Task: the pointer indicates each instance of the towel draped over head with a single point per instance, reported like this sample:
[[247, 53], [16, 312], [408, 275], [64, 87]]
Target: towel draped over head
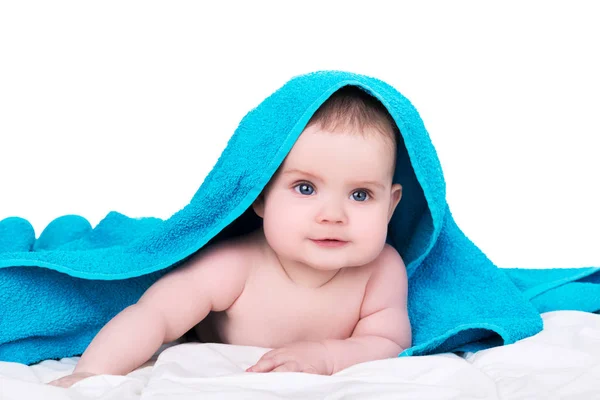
[[58, 290]]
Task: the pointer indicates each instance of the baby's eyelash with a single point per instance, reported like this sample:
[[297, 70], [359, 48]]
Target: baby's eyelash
[[303, 183], [367, 191], [298, 184]]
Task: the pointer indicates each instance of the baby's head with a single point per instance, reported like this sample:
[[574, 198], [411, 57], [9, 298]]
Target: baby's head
[[335, 183]]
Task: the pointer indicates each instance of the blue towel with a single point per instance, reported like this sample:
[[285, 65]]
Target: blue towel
[[58, 290]]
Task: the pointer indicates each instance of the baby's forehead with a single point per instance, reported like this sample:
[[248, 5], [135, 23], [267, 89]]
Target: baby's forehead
[[364, 146], [323, 169]]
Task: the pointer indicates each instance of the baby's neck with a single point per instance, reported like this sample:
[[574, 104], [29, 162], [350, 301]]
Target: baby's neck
[[306, 276], [297, 272]]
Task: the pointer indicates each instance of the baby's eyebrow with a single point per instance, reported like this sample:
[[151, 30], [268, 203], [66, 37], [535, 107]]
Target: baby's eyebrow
[[357, 183], [297, 171]]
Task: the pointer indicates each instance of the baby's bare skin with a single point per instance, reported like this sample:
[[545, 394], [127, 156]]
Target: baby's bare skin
[[321, 308], [273, 311], [310, 328], [303, 323]]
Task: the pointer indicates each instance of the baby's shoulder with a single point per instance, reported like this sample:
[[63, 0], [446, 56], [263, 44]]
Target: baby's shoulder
[[390, 254], [386, 267], [389, 263], [232, 254]]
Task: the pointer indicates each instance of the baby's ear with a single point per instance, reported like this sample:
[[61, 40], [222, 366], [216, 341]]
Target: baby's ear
[[395, 199], [259, 205]]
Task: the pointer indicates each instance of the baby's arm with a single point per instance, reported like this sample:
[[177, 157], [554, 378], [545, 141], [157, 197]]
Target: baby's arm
[[383, 330], [211, 280]]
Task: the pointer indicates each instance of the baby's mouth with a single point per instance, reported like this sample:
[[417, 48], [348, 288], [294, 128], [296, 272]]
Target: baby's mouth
[[329, 242]]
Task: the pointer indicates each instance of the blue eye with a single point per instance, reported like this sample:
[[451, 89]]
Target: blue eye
[[360, 195], [304, 188]]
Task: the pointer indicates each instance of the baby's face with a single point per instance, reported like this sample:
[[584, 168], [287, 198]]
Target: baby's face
[[331, 186]]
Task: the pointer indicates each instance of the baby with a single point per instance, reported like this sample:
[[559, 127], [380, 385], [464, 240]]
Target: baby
[[317, 282]]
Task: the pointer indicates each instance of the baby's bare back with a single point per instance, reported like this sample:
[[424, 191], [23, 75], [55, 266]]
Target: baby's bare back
[[272, 311]]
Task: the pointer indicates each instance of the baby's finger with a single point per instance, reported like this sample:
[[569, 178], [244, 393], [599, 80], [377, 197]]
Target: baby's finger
[[58, 383], [263, 366], [64, 382], [270, 354], [287, 367], [70, 380]]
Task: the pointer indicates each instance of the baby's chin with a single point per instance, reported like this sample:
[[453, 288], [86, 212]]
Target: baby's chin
[[324, 265], [336, 267]]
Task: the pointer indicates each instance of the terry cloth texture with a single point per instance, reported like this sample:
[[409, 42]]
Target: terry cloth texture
[[56, 292]]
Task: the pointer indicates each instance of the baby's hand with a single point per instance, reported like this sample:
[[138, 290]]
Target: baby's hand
[[310, 357], [69, 380]]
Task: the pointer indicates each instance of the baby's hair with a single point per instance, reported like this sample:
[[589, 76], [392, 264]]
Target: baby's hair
[[351, 108]]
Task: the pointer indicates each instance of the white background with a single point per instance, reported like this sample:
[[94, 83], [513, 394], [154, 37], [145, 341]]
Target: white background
[[126, 106]]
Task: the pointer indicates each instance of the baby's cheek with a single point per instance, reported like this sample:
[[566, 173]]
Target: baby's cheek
[[282, 230], [372, 236]]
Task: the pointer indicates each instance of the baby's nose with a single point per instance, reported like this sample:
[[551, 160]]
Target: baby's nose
[[332, 212]]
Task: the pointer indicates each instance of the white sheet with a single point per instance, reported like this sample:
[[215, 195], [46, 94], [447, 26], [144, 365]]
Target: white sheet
[[561, 362]]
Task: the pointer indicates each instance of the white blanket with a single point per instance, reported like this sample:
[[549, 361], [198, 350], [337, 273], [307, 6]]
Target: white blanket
[[563, 361]]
